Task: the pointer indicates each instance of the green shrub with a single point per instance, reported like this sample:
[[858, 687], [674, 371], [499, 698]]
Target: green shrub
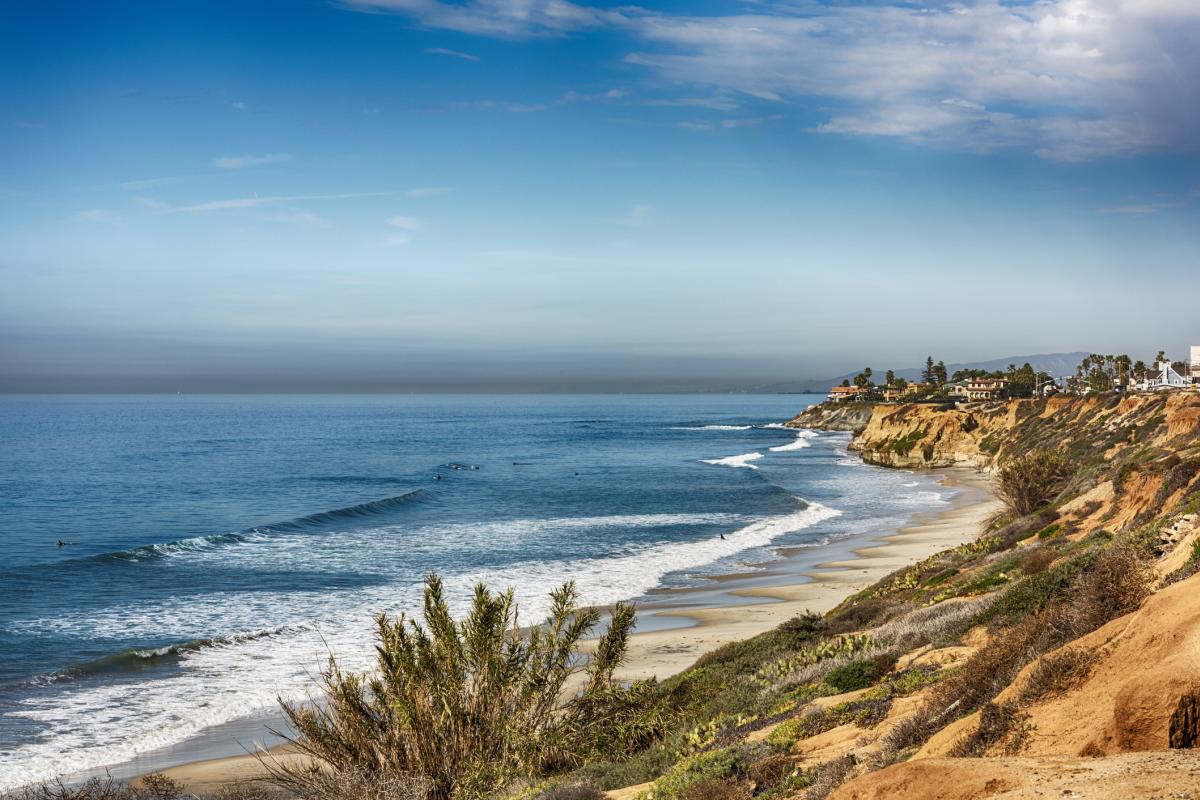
[[471, 706], [859, 674], [1031, 481], [711, 766], [1049, 530]]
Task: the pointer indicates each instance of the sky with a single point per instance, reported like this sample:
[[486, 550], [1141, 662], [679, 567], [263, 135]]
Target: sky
[[542, 195]]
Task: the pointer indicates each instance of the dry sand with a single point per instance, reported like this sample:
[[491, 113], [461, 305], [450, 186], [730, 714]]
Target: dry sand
[[665, 652]]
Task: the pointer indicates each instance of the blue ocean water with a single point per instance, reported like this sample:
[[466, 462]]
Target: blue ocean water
[[216, 549]]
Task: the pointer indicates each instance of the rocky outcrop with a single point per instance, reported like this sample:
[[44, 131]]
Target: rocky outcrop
[[916, 436], [923, 436], [849, 417]]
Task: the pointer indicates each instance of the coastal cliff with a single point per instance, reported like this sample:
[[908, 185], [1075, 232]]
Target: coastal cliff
[[848, 417], [1055, 655]]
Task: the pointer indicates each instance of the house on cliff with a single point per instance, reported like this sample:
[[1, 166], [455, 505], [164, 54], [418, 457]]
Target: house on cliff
[[977, 389], [844, 394], [893, 393], [1165, 378]]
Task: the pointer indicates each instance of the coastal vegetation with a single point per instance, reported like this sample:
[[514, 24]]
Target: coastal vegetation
[[1022, 643], [468, 707]]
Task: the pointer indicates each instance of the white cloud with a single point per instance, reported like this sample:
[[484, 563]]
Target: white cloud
[[405, 223], [238, 104], [257, 201], [442, 51], [427, 191], [244, 162], [501, 18], [1065, 79]]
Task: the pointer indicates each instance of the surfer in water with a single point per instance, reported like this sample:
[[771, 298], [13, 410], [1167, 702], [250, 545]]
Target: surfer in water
[[61, 543], [722, 537]]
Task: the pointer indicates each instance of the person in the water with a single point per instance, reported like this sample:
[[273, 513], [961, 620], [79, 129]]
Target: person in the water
[[61, 543]]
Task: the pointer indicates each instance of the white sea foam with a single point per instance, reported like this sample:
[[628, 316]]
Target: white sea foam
[[735, 461], [923, 499], [802, 440], [712, 427], [88, 726]]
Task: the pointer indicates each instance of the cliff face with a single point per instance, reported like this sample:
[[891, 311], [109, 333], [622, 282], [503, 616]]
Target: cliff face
[[850, 417], [923, 436]]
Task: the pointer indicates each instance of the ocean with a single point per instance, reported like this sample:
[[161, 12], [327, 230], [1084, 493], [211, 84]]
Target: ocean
[[217, 549]]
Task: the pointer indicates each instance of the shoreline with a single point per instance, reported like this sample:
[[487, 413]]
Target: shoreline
[[689, 622]]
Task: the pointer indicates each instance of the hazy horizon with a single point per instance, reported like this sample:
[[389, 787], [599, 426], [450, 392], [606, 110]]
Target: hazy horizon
[[404, 195]]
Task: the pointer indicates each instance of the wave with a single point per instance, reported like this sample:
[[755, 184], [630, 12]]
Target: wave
[[141, 658], [735, 461], [799, 443], [300, 524], [91, 724], [923, 499], [712, 427]]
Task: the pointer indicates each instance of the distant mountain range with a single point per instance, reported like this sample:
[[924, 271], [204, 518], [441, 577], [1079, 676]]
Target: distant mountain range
[[1056, 364]]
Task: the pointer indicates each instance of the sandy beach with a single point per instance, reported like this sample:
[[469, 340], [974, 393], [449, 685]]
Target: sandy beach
[[684, 624]]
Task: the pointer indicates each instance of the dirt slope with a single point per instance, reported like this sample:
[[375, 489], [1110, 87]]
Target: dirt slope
[[1170, 775]]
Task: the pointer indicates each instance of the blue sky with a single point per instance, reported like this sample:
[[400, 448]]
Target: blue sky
[[521, 194]]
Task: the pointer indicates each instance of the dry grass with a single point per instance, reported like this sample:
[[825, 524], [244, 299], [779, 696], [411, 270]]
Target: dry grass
[[830, 776], [577, 791], [152, 787], [1114, 585], [720, 789], [937, 623], [1055, 673], [999, 724]]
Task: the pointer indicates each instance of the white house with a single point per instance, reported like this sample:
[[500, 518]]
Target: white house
[[1166, 378], [1195, 376]]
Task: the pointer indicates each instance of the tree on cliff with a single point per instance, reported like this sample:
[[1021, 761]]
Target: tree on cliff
[[889, 378], [939, 373], [927, 373], [863, 379]]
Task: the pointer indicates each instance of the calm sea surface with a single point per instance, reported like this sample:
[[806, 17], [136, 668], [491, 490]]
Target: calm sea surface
[[217, 548]]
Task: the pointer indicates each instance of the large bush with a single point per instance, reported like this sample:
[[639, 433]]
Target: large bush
[[471, 706], [1033, 480]]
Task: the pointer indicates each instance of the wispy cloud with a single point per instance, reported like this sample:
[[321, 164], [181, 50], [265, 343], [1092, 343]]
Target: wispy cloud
[[442, 51], [1067, 80], [513, 19], [405, 223], [245, 162], [257, 201], [428, 191], [146, 183], [238, 105]]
